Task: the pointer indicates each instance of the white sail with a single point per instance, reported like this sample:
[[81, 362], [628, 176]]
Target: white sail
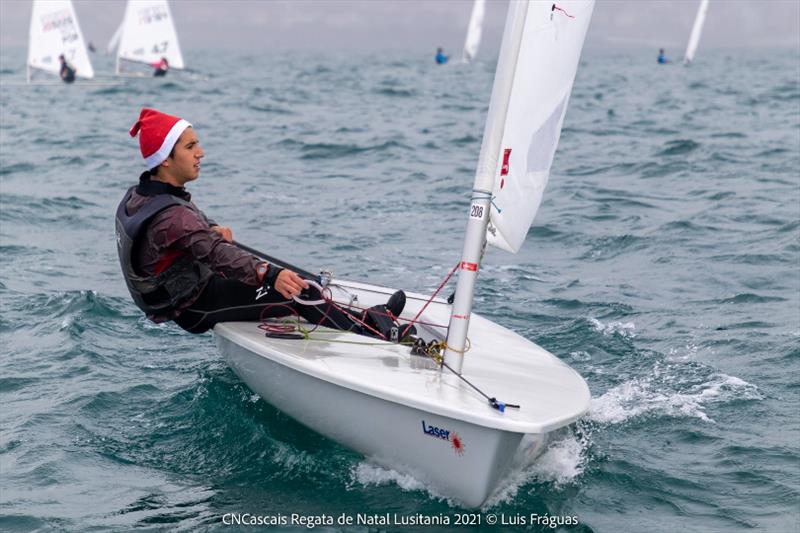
[[474, 31], [55, 31], [548, 59], [697, 29], [535, 70], [148, 34]]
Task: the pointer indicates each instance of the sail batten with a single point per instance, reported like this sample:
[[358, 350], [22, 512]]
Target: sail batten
[[148, 34], [54, 31]]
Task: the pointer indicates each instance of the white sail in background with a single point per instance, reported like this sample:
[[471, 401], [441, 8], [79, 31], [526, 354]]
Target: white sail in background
[[112, 44], [548, 59], [697, 29], [474, 31], [55, 31], [148, 34]]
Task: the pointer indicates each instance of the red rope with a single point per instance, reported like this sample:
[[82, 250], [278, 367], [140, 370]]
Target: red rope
[[436, 292], [286, 328], [556, 8]]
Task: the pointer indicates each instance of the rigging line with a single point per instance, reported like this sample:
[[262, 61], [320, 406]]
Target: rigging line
[[441, 286], [500, 406]]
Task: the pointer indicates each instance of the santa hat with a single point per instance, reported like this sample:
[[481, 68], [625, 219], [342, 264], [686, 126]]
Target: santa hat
[[158, 133]]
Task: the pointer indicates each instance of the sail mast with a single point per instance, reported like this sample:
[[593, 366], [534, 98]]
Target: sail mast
[[484, 180], [535, 73]]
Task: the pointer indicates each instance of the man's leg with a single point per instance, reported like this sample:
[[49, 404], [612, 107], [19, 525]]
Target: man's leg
[[227, 300]]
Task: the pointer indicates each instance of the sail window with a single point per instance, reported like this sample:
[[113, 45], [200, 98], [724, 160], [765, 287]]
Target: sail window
[[545, 139]]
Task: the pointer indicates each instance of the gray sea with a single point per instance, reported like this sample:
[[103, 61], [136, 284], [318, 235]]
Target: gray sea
[[664, 266]]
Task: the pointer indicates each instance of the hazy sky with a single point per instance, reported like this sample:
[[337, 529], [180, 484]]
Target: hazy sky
[[265, 25]]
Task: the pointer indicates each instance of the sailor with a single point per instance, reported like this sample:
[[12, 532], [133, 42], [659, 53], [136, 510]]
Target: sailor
[[662, 59], [67, 71], [161, 67], [179, 265], [441, 59]]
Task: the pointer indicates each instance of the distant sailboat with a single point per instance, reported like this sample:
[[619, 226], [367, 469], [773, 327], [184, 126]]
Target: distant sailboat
[[697, 29], [474, 30], [148, 34], [54, 31]]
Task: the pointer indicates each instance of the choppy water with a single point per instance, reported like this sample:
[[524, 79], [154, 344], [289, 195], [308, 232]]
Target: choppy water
[[664, 266]]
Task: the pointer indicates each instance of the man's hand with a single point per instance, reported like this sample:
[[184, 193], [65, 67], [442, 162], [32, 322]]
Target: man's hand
[[289, 284], [225, 231]]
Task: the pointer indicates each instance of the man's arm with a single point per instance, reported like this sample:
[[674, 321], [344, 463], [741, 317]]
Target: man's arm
[[184, 229]]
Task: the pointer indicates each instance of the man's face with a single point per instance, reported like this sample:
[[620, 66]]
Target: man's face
[[184, 165]]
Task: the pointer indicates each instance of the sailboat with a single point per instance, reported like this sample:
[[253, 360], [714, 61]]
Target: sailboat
[[147, 34], [456, 422], [474, 30], [697, 29], [55, 31]]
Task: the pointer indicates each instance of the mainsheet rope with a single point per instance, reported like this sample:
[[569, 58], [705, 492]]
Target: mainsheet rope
[[433, 350]]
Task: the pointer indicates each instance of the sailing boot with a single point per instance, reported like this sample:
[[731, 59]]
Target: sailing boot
[[396, 304], [381, 318]]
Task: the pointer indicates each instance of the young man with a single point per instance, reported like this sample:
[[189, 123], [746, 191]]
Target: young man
[[179, 265]]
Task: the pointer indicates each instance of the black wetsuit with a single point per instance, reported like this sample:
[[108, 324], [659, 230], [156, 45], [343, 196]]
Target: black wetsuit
[[231, 293], [67, 73]]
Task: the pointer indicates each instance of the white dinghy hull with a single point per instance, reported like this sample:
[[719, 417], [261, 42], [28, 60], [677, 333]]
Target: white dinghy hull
[[400, 410], [389, 434]]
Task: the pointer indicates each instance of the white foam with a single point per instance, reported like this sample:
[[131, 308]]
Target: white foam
[[580, 355], [623, 329], [560, 464], [686, 353], [366, 474], [645, 396]]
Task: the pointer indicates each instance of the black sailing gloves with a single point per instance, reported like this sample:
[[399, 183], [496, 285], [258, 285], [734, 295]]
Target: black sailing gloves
[[270, 277]]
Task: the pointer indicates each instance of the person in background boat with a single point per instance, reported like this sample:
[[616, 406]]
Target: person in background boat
[[91, 47], [180, 265], [67, 71], [161, 66], [662, 59], [441, 59]]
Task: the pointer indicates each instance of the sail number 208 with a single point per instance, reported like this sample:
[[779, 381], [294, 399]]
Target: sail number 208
[[476, 211]]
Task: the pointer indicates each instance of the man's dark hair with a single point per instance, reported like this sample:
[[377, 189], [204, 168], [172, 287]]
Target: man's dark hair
[[154, 170]]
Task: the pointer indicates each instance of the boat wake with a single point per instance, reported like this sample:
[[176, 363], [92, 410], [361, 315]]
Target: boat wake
[[559, 465], [623, 329], [368, 474], [669, 391]]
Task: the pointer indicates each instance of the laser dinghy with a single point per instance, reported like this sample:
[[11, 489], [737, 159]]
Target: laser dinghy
[[457, 412]]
